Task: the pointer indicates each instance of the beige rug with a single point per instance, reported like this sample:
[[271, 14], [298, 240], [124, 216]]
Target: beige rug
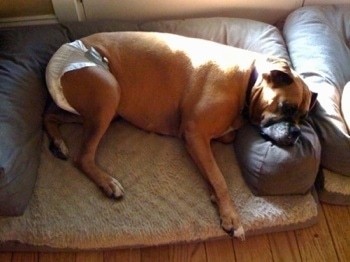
[[336, 189], [166, 198]]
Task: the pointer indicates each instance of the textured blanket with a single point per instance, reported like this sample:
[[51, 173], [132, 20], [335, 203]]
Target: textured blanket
[[166, 198]]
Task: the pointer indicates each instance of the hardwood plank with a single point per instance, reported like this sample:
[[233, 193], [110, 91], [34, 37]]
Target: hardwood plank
[[220, 250], [89, 257], [56, 257], [338, 220], [284, 247], [193, 252], [5, 257], [25, 257], [123, 255], [155, 254], [315, 243], [254, 248]]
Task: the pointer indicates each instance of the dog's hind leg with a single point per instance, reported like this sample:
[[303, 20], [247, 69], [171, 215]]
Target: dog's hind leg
[[53, 118], [94, 93]]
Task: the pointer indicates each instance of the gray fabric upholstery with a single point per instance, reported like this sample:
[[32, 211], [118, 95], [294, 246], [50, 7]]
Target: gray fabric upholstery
[[318, 42], [272, 170], [24, 53], [318, 39]]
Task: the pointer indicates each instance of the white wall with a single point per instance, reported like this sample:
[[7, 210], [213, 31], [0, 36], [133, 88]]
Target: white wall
[[143, 10], [325, 2], [269, 11]]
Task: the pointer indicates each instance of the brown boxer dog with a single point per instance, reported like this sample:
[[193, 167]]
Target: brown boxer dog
[[172, 85]]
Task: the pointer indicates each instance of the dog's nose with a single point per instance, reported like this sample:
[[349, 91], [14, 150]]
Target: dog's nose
[[282, 133], [294, 132]]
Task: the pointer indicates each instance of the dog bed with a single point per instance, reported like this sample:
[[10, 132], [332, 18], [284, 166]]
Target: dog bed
[[167, 198], [318, 39]]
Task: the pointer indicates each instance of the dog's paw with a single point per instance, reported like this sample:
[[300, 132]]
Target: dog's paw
[[232, 226], [239, 233], [113, 189], [59, 149]]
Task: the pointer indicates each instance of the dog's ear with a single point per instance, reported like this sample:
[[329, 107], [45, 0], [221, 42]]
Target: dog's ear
[[280, 78], [279, 72], [313, 100]]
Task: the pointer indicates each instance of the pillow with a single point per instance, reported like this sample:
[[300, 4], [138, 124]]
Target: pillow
[[318, 39], [275, 170]]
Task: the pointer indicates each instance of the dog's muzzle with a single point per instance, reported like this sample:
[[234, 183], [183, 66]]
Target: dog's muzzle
[[282, 133]]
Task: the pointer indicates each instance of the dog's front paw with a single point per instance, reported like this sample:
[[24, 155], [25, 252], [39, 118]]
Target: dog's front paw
[[232, 226], [112, 188], [59, 149]]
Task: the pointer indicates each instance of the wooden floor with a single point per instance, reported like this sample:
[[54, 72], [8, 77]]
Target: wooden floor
[[328, 240]]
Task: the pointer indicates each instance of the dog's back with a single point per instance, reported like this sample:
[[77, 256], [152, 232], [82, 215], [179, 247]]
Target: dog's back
[[156, 70]]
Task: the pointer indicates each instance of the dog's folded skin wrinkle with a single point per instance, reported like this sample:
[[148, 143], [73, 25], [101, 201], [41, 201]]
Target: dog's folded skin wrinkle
[[251, 83], [200, 96]]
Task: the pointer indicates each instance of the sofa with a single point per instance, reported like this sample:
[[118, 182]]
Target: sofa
[[268, 170]]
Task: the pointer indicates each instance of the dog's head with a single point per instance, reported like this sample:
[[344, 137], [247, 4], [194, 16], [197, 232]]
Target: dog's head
[[279, 101]]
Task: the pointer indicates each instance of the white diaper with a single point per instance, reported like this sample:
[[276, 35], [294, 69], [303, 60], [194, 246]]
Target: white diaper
[[70, 56]]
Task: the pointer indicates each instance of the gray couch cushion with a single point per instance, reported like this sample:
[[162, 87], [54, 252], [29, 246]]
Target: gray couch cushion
[[24, 53], [318, 39]]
